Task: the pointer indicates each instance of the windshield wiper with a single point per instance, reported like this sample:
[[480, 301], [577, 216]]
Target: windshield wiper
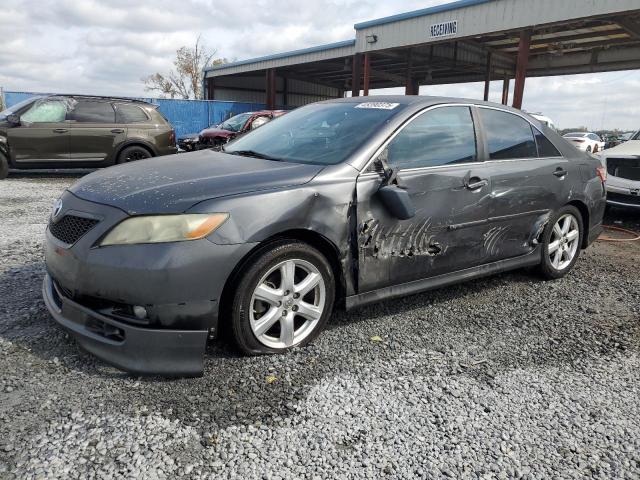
[[254, 154]]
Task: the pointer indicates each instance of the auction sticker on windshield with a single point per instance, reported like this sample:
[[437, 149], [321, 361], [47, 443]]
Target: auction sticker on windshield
[[378, 105]]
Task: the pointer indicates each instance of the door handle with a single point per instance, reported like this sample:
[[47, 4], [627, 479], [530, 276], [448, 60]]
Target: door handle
[[560, 172], [117, 130], [474, 183], [60, 130]]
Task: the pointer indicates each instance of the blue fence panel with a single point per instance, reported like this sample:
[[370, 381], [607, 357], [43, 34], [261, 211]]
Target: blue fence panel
[[186, 116]]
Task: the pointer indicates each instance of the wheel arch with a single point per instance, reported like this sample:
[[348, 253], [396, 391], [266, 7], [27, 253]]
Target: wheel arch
[[134, 143], [584, 213], [310, 237]]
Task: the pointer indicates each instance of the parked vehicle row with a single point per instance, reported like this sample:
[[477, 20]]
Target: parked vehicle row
[[81, 131], [218, 135], [344, 202]]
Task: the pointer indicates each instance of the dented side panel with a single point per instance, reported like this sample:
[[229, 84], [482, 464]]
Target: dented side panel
[[447, 233]]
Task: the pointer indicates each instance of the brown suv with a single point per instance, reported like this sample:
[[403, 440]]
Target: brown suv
[[62, 131]]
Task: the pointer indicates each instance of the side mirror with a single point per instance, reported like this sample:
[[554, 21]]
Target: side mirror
[[13, 119], [397, 201]]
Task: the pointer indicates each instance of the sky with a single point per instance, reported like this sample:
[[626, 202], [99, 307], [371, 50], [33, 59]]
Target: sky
[[106, 47]]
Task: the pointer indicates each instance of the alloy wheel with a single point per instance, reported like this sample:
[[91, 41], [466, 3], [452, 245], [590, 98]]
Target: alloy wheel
[[564, 240], [287, 303]]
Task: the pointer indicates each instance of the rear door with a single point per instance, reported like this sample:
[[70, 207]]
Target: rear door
[[94, 133], [437, 157], [530, 180], [43, 133]]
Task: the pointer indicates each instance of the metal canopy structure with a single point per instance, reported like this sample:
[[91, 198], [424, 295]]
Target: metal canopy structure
[[460, 42]]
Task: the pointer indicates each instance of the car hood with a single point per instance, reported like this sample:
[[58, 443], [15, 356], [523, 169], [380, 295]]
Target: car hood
[[174, 183], [631, 147], [216, 132]]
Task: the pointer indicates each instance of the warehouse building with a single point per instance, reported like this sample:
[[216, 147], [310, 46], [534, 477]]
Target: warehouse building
[[460, 42]]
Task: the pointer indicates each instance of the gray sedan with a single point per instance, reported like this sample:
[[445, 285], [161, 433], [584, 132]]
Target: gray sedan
[[337, 204]]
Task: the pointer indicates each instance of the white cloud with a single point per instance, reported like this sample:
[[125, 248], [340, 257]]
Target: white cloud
[[100, 47]]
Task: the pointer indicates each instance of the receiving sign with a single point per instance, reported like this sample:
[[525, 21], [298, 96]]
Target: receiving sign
[[444, 29]]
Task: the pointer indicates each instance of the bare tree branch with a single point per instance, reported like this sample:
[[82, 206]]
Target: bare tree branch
[[185, 80]]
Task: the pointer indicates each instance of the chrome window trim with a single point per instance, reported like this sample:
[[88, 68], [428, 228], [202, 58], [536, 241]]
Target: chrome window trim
[[443, 105]]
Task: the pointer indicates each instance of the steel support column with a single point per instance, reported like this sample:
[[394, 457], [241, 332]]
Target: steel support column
[[521, 67], [487, 81], [412, 86], [505, 90], [366, 74], [270, 89], [356, 74]]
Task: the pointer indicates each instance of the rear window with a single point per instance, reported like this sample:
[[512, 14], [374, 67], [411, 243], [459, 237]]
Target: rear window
[[130, 114], [545, 147], [91, 112], [508, 136]]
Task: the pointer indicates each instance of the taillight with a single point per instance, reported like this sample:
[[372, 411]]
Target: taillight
[[172, 137], [602, 173], [579, 141]]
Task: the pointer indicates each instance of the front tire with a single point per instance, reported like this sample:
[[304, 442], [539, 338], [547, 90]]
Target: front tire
[[283, 298], [561, 242], [4, 167]]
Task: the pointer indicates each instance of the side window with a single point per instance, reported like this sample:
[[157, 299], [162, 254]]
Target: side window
[[130, 114], [545, 147], [508, 135], [46, 111], [439, 137], [92, 112]]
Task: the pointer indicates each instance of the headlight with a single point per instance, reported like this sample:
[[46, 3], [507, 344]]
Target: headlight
[[164, 228]]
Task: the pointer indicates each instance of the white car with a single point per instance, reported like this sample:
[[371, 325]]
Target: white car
[[544, 119], [585, 141], [623, 173]]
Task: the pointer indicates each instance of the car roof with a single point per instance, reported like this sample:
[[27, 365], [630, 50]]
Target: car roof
[[98, 97]]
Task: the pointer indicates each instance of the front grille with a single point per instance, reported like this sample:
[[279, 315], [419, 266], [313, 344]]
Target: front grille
[[628, 199], [69, 229], [628, 168]]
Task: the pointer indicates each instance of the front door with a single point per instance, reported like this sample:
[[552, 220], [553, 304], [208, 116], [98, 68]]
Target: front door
[[94, 133], [436, 155], [43, 133]]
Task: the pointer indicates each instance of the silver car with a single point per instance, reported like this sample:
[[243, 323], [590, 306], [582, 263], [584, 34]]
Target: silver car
[[623, 173]]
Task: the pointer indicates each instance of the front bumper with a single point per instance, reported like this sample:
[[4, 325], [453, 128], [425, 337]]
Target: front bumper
[[133, 349], [623, 193]]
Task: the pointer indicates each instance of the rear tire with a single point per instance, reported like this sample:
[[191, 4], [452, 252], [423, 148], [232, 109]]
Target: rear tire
[[282, 299], [595, 149], [133, 153], [561, 243], [589, 149], [4, 167]]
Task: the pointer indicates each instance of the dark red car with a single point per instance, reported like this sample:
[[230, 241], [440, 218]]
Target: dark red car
[[236, 126]]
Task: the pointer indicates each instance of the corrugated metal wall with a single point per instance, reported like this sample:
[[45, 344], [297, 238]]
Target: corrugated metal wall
[[186, 116], [252, 89]]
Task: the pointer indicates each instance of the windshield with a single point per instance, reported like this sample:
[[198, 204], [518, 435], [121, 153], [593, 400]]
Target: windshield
[[575, 135], [235, 124], [14, 108], [321, 133], [636, 136]]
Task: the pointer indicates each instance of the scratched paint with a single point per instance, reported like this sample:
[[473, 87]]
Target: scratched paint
[[401, 240]]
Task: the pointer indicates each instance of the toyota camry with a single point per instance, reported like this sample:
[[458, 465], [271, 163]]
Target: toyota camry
[[336, 204]]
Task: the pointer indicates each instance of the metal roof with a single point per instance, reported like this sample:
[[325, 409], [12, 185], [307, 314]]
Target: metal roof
[[419, 13], [292, 53]]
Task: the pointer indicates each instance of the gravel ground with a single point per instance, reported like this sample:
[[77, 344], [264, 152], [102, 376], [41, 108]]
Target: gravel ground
[[507, 377]]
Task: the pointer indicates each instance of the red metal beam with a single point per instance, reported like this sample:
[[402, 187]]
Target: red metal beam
[[270, 90], [487, 81], [366, 75], [521, 67], [505, 90], [356, 74]]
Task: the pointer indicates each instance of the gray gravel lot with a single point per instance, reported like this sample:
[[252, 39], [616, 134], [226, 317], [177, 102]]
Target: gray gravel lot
[[507, 377]]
